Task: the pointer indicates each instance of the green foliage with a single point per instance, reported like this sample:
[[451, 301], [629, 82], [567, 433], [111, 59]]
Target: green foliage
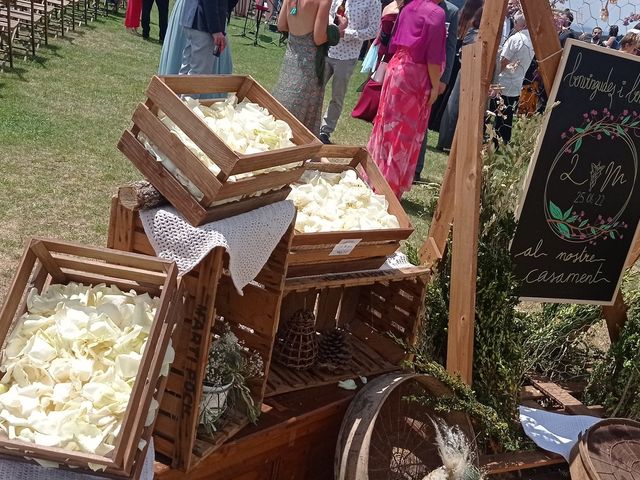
[[615, 380], [492, 429], [499, 333], [557, 343], [230, 363]]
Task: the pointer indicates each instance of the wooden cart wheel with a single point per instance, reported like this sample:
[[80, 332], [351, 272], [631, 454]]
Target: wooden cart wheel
[[386, 437]]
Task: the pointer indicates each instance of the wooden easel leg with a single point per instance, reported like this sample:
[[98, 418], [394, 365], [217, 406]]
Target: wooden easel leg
[[468, 179], [544, 37]]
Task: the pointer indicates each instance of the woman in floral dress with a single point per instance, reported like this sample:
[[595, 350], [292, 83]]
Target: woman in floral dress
[[418, 48]]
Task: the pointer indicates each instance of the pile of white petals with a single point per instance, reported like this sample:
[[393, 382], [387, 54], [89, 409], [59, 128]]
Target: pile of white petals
[[70, 363], [330, 202], [244, 127]]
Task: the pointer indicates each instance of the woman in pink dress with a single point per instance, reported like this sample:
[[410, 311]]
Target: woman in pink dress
[[132, 17], [418, 48]]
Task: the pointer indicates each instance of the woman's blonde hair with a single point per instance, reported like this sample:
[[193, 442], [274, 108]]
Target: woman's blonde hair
[[630, 39]]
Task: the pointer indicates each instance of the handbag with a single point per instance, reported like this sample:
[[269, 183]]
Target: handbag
[[367, 105], [369, 62]]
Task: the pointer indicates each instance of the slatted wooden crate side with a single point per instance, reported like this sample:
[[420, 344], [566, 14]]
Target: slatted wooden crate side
[[371, 306], [230, 162], [176, 429], [47, 261], [166, 100], [255, 315], [191, 208], [160, 177], [190, 165]]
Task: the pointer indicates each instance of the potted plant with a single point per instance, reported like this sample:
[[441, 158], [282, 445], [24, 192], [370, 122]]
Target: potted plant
[[230, 365]]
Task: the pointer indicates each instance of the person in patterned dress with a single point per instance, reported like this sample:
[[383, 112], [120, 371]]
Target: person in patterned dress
[[410, 87], [299, 88]]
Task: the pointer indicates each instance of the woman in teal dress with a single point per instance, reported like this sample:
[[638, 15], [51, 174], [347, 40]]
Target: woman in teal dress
[[174, 42]]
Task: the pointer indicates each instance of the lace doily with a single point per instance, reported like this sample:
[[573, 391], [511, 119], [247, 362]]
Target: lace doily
[[249, 238], [16, 470]]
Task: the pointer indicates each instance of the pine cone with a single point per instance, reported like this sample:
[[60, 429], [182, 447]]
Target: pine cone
[[297, 346], [335, 350]]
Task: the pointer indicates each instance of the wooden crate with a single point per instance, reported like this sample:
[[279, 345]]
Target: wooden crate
[[370, 305], [164, 94], [209, 292], [313, 253], [47, 262]]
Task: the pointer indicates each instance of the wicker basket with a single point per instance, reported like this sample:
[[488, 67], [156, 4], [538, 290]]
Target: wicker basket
[[297, 346]]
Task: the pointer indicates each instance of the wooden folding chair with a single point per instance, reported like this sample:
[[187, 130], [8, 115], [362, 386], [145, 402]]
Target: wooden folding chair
[[41, 8], [8, 31], [58, 8], [31, 20]]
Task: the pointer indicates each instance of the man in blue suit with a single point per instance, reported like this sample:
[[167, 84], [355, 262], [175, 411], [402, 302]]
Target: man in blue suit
[[204, 23]]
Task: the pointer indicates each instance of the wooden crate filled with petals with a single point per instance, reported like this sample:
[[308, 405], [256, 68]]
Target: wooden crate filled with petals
[[173, 144], [375, 232], [91, 328]]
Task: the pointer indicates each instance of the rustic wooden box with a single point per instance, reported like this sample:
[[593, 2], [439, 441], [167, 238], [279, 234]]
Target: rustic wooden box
[[311, 253], [219, 194], [371, 305], [47, 262], [209, 293]]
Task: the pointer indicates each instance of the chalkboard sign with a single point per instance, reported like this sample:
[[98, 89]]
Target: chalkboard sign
[[581, 206]]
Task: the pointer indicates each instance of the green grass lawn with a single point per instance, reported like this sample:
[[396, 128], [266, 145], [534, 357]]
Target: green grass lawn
[[61, 116]]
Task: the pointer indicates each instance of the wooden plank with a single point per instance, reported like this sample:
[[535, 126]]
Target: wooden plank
[[544, 37], [467, 213], [564, 398], [331, 238], [516, 461], [344, 266], [328, 303], [121, 227], [363, 251], [615, 316], [352, 279], [260, 182], [49, 263], [198, 84], [134, 260], [116, 271], [199, 340], [294, 156]]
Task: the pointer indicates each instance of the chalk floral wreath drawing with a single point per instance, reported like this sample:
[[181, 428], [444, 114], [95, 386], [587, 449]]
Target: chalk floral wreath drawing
[[570, 223]]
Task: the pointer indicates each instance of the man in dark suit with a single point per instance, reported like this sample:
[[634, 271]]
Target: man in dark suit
[[204, 23], [163, 17]]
